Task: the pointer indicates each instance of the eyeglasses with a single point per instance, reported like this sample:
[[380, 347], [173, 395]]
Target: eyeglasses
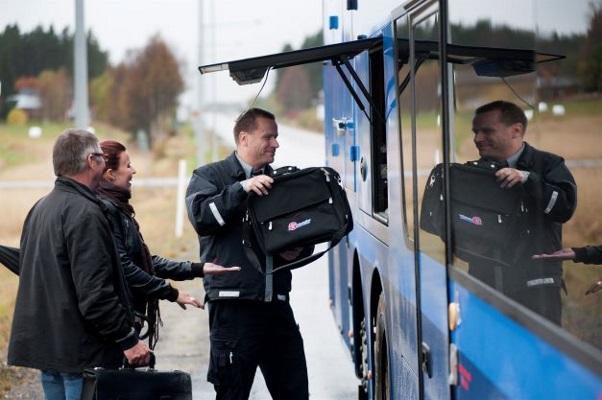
[[98, 155]]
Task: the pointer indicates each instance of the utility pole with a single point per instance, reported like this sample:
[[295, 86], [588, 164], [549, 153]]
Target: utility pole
[[199, 126], [214, 135], [82, 117]]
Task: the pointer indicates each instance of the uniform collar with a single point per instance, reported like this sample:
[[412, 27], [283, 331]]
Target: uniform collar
[[247, 168], [513, 159]]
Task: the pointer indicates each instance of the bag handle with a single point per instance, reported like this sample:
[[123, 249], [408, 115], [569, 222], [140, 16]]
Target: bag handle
[[151, 364], [308, 259], [291, 265]]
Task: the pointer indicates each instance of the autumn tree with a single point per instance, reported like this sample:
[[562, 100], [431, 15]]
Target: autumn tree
[[294, 91], [591, 67], [100, 98], [54, 89], [297, 87], [120, 114], [314, 70], [142, 92]]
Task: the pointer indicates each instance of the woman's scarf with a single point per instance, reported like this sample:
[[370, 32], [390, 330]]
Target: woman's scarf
[[121, 199]]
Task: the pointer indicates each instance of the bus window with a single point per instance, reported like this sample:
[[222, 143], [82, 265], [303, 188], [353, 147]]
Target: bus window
[[379, 136], [427, 122], [552, 86]]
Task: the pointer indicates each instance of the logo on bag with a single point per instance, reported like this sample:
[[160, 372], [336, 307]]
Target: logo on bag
[[472, 220], [293, 226]]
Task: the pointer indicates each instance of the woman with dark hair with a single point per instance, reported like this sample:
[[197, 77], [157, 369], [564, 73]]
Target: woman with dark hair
[[144, 272]]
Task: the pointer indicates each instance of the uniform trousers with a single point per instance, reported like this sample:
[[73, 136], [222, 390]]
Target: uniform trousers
[[246, 334]]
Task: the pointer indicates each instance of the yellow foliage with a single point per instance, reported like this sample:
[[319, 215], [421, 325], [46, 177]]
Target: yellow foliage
[[16, 116]]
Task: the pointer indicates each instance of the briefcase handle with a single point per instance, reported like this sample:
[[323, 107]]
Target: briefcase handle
[[151, 364]]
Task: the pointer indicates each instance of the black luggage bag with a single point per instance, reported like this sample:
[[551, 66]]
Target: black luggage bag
[[482, 213], [136, 384], [305, 207]]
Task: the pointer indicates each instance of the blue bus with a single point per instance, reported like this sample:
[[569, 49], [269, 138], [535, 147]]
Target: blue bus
[[401, 82]]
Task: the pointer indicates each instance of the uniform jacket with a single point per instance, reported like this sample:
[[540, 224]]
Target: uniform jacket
[[72, 309], [129, 243], [216, 204], [550, 196]]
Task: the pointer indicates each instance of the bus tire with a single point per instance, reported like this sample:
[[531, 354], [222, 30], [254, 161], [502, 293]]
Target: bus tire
[[382, 385]]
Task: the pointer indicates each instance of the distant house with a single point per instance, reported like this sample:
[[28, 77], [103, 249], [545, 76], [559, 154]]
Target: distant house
[[27, 100], [554, 87]]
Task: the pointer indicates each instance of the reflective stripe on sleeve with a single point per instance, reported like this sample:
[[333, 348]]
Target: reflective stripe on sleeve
[[551, 202], [216, 214]]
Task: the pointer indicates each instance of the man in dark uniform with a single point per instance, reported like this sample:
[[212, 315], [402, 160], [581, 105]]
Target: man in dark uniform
[[550, 197], [247, 329]]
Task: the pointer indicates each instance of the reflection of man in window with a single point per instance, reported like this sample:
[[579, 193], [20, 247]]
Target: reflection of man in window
[[550, 197]]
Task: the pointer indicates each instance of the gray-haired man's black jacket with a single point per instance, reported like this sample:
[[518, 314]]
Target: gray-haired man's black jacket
[[73, 308]]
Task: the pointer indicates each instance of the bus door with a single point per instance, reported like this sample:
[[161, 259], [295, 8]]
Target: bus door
[[419, 82]]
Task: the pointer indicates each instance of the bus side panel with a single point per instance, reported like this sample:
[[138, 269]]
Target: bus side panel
[[518, 365], [339, 303], [373, 258]]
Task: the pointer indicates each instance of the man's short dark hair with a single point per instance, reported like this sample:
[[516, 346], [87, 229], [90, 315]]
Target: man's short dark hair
[[510, 113], [247, 121]]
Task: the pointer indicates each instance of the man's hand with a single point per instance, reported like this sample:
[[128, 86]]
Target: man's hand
[[185, 298], [594, 286], [214, 269], [260, 184], [139, 355], [509, 177], [290, 255]]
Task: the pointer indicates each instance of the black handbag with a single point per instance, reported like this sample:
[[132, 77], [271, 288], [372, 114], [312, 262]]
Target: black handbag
[[136, 384], [305, 207]]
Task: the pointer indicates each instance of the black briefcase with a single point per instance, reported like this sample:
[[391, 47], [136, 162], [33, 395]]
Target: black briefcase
[[136, 384], [481, 211], [305, 207]]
